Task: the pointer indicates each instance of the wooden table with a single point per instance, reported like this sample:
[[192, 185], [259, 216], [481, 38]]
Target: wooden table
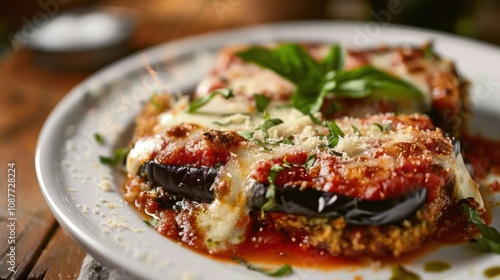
[[28, 92]]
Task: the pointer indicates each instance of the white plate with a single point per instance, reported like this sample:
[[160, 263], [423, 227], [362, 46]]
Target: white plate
[[85, 196]]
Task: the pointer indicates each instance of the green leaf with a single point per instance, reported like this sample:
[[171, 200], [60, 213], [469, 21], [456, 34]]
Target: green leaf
[[261, 102], [315, 120], [288, 141], [356, 130], [311, 158], [98, 138], [334, 61], [290, 61], [388, 126], [268, 124], [246, 134], [153, 222], [200, 102], [368, 81], [335, 133], [271, 190], [380, 127], [118, 156], [282, 271], [490, 237], [315, 81]]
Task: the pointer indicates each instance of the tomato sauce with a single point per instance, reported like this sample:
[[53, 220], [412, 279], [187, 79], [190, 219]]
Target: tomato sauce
[[483, 154]]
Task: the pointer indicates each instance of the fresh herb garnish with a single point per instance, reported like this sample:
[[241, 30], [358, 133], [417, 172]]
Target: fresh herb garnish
[[118, 156], [268, 123], [264, 127], [282, 271], [98, 138], [200, 102], [261, 102], [153, 222], [490, 237], [315, 120], [271, 190], [380, 127], [335, 133], [311, 158], [288, 141], [388, 126], [316, 81], [356, 130]]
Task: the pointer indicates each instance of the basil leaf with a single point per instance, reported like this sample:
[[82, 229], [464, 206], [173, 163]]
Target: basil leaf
[[200, 102], [311, 158], [290, 61], [380, 127], [315, 120], [356, 130], [268, 124], [335, 133], [490, 237], [282, 271], [246, 134], [368, 81], [118, 156], [315, 81], [334, 61], [288, 141], [261, 102]]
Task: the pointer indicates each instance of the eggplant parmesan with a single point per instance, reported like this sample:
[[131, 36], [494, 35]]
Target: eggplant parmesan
[[249, 162]]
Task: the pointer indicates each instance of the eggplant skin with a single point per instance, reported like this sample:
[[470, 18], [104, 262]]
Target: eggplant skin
[[195, 183], [311, 202], [190, 182]]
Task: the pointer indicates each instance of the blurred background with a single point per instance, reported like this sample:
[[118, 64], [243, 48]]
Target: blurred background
[[49, 46]]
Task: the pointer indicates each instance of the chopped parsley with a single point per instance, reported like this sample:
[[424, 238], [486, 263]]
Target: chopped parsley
[[282, 271], [200, 102], [264, 127], [271, 190]]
